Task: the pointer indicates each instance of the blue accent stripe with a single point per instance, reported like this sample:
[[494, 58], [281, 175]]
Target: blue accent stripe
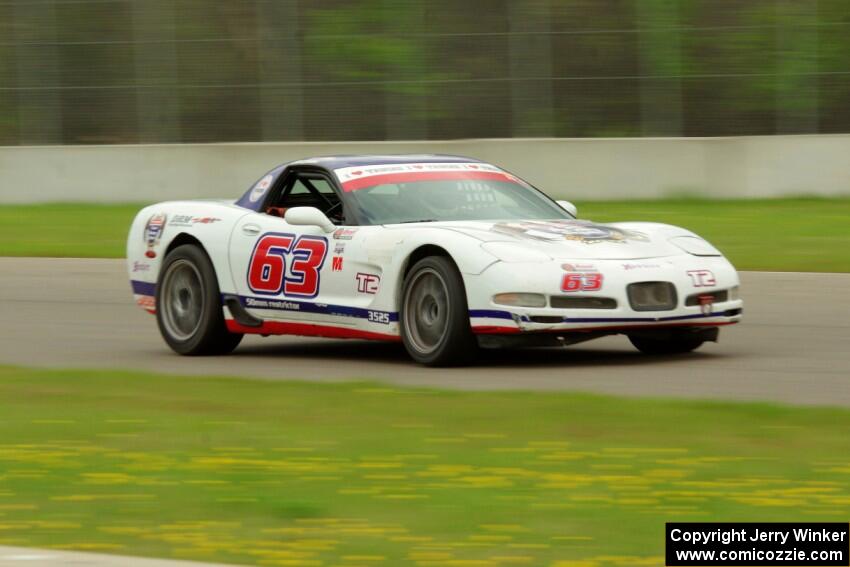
[[282, 304], [490, 314], [143, 288], [494, 314]]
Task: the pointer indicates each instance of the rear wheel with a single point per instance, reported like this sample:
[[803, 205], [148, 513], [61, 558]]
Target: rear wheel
[[188, 305], [434, 315], [673, 343]]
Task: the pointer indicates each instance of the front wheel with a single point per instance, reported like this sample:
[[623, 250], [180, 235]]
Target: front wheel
[[672, 343], [434, 316], [188, 305]]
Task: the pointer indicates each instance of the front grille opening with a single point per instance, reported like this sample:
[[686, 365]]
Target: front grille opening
[[582, 302], [717, 297], [546, 319], [652, 296]]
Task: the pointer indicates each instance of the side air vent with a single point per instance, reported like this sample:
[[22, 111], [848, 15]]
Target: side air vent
[[717, 297], [546, 319], [582, 302]]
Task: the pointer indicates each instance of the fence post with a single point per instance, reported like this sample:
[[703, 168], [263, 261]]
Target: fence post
[[38, 72], [406, 104], [530, 65], [661, 67], [156, 76], [280, 77], [796, 67]]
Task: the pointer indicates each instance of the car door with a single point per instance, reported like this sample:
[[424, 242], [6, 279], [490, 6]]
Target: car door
[[287, 272]]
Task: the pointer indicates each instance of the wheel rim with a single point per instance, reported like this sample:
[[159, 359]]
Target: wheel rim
[[183, 299], [426, 310]]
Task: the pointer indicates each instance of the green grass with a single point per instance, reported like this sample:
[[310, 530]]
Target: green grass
[[807, 235], [295, 473], [65, 230], [777, 234]]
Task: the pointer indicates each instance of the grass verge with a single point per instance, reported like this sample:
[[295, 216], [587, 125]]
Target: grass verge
[[805, 235], [289, 473], [768, 234]]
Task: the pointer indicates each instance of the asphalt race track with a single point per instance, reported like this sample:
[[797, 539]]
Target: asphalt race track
[[793, 346], [17, 556]]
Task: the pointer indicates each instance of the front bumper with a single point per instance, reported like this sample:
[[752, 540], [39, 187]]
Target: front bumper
[[487, 317]]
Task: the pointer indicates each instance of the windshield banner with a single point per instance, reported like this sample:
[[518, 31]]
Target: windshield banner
[[353, 178]]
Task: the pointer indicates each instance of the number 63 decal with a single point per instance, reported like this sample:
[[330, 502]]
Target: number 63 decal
[[591, 281], [287, 264]]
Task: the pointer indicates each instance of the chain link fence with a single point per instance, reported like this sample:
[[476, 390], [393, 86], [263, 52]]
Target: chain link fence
[[180, 71]]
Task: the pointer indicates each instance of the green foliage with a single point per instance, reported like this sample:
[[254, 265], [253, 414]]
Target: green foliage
[[199, 70], [366, 41]]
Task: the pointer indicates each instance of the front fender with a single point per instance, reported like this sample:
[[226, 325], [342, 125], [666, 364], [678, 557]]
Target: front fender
[[397, 247]]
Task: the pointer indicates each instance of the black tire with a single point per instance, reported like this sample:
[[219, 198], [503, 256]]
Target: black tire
[[434, 316], [188, 305], [674, 343]]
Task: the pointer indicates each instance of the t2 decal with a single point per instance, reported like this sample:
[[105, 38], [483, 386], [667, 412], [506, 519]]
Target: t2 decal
[[702, 278], [368, 283], [286, 264]]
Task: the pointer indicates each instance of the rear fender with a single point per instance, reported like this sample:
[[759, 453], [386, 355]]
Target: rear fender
[[156, 229]]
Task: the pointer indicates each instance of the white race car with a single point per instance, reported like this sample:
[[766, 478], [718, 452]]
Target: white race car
[[445, 254]]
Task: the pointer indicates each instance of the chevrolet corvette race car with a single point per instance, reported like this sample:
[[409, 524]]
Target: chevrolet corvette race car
[[445, 254]]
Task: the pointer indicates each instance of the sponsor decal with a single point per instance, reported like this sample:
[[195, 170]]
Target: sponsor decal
[[286, 264], [585, 232], [339, 248], [344, 233], [581, 281], [347, 173], [368, 283], [579, 267], [702, 278], [359, 177], [260, 188], [271, 304], [189, 220], [180, 220], [204, 220], [643, 266], [153, 232], [141, 267], [336, 263]]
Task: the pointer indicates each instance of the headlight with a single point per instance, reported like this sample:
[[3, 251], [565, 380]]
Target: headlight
[[733, 293], [695, 246], [520, 299], [509, 252]]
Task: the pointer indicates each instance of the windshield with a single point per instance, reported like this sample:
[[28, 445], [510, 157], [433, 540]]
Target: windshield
[[400, 193]]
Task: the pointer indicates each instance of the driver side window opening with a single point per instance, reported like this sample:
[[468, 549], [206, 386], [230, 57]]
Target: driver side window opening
[[308, 190]]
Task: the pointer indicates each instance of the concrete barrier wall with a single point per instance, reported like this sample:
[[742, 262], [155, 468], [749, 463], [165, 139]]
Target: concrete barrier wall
[[622, 168]]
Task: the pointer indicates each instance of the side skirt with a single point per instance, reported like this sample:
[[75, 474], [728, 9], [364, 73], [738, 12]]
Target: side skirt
[[307, 330]]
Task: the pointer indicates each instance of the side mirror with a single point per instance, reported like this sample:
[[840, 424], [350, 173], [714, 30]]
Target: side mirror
[[308, 216], [569, 207]]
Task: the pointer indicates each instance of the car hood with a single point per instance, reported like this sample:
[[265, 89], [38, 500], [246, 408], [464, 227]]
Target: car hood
[[566, 239]]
